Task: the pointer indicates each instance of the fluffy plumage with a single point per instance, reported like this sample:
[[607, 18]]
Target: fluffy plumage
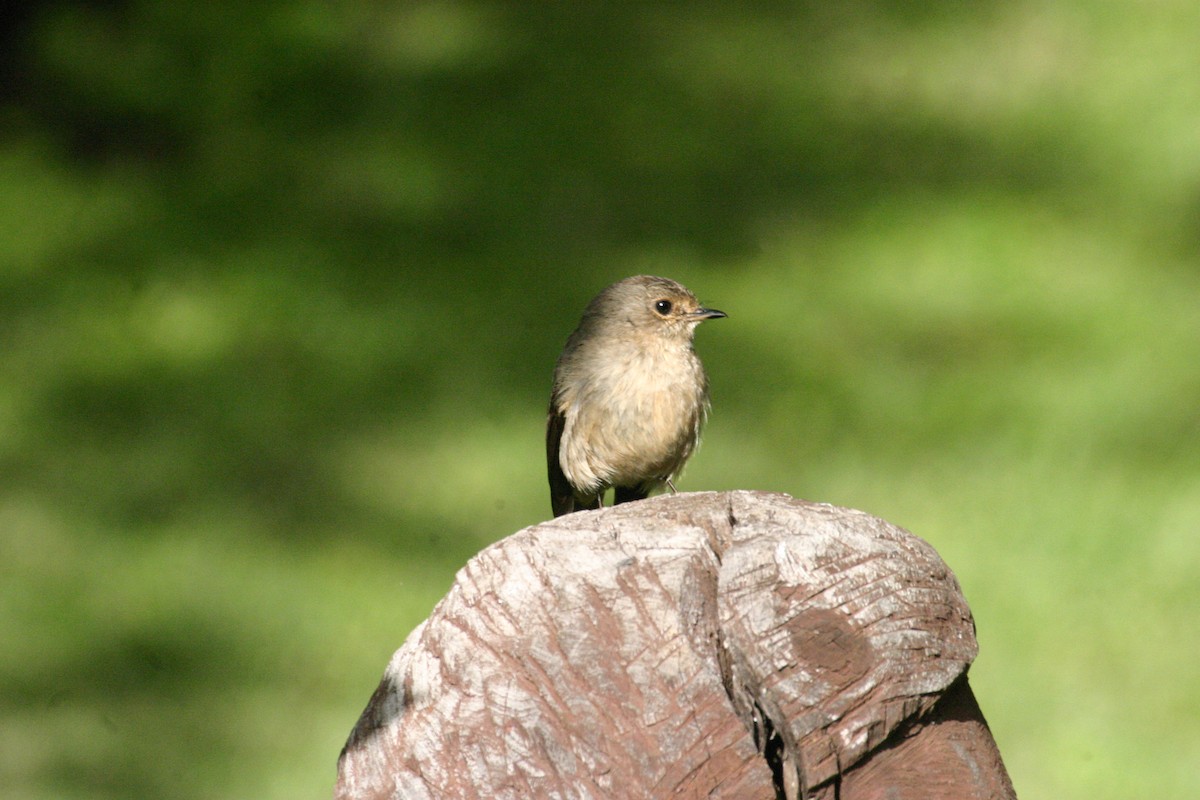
[[630, 395]]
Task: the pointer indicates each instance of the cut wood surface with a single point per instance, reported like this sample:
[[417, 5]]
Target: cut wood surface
[[715, 645]]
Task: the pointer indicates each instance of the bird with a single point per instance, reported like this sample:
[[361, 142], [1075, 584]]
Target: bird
[[630, 395]]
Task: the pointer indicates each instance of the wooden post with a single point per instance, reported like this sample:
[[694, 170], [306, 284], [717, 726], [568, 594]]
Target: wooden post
[[711, 645]]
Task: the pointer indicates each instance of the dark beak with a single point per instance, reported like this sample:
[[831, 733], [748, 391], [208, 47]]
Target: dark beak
[[707, 313]]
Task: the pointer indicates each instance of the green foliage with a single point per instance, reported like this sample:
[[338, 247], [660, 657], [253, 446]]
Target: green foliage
[[282, 286]]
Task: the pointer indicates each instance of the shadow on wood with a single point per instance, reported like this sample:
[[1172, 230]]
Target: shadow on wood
[[712, 645]]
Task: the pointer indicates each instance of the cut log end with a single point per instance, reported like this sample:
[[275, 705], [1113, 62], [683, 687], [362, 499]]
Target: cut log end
[[737, 644]]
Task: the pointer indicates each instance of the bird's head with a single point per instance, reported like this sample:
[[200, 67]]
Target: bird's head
[[649, 306]]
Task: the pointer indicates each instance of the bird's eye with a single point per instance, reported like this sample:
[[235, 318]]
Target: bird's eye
[[663, 307]]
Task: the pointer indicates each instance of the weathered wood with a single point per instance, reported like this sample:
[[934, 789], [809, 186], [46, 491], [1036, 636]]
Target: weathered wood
[[737, 645]]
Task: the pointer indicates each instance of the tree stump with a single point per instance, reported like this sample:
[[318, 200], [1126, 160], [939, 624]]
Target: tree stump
[[711, 645]]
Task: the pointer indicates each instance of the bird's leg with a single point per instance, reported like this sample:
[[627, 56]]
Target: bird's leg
[[671, 486]]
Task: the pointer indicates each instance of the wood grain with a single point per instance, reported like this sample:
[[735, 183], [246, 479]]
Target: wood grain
[[714, 645]]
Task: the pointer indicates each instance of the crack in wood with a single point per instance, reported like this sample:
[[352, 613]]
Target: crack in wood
[[787, 774]]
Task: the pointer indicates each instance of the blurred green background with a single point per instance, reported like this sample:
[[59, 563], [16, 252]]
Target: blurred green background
[[282, 285]]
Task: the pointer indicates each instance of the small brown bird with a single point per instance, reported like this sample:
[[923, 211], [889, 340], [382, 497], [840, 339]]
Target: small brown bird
[[630, 395]]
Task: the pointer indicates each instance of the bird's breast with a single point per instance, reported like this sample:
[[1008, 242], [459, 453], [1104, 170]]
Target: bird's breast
[[636, 416]]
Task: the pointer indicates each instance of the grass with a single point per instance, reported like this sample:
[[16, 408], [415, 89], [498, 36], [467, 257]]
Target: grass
[[279, 316]]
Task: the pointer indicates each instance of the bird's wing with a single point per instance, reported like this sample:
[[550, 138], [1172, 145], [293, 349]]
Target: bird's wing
[[562, 496]]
